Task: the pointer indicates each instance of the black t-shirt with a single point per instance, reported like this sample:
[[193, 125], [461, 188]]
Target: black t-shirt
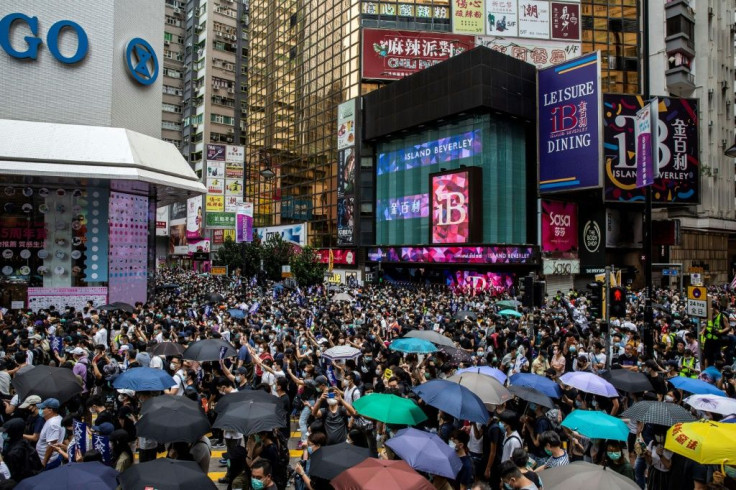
[[336, 424], [685, 472], [367, 372], [626, 360], [493, 434], [658, 384]]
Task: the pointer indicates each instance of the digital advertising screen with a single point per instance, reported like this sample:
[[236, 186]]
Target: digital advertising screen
[[454, 206]]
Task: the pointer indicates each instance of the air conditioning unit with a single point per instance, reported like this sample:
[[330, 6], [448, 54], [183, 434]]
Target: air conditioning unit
[[219, 34], [231, 90], [229, 139], [198, 29], [230, 131], [166, 43], [177, 11]]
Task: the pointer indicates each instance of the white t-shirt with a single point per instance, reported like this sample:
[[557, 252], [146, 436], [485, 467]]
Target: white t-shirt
[[656, 461], [179, 377], [52, 432], [101, 337], [476, 445], [156, 362], [510, 443]]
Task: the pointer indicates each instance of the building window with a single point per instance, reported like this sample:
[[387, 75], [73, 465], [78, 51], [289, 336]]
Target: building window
[[169, 90], [170, 125], [173, 21], [171, 108], [169, 72], [220, 119]]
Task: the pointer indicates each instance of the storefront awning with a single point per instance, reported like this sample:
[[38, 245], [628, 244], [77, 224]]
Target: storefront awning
[[37, 149]]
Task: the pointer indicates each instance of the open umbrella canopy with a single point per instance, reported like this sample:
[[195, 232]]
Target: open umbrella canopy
[[381, 474], [144, 379], [172, 419], [250, 417], [167, 349], [413, 346], [628, 381], [209, 350], [508, 303], [166, 474], [696, 386], [454, 399], [465, 315], [117, 306], [246, 396], [341, 352], [236, 313], [657, 413], [46, 382], [539, 383], [488, 389], [215, 298], [703, 441], [531, 395], [487, 370], [508, 312], [343, 297], [713, 404], [76, 476], [389, 409], [329, 461], [596, 425], [585, 475], [456, 355], [426, 452], [589, 383], [432, 336]]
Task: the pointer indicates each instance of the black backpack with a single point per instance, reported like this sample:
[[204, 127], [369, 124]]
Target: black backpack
[[29, 463], [281, 471]]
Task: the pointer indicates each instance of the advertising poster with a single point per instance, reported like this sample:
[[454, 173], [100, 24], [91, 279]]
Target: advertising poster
[[451, 201], [559, 228], [244, 223], [294, 234], [346, 196], [214, 204], [178, 244], [538, 53], [215, 177], [439, 9], [178, 212], [234, 154], [455, 255], [339, 256], [569, 112], [534, 19], [346, 124], [645, 120], [467, 16], [232, 203], [677, 151], [234, 187], [502, 18], [233, 170], [479, 281], [392, 55], [195, 219], [128, 251], [202, 246], [162, 221], [220, 220], [456, 147], [43, 298], [216, 153], [565, 21], [592, 239]]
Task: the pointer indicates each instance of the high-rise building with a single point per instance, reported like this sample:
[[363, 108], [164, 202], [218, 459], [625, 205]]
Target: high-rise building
[[173, 73]]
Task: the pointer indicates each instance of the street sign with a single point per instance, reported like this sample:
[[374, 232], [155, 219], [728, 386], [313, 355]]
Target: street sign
[[669, 272], [696, 279], [218, 270], [697, 308], [698, 293]]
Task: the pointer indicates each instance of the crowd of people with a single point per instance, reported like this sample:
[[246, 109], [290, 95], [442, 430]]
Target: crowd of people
[[281, 336]]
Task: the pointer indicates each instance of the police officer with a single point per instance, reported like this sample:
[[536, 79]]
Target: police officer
[[689, 366], [710, 336]]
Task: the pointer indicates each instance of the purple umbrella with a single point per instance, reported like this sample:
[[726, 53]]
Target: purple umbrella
[[589, 383], [487, 370], [425, 452]]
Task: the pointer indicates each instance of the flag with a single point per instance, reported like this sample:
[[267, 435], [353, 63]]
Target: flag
[[331, 375], [733, 283], [223, 351], [254, 307], [102, 445], [80, 437], [56, 344]]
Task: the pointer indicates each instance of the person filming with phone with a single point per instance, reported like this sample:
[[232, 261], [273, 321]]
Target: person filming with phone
[[335, 416]]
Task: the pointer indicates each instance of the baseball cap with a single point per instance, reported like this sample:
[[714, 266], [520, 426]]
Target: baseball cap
[[105, 428], [30, 400], [78, 351], [49, 403], [321, 380]]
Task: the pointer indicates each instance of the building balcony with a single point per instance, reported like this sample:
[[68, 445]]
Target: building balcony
[[674, 8], [680, 43], [680, 80]]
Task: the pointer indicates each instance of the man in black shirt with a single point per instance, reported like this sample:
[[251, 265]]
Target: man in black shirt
[[335, 416]]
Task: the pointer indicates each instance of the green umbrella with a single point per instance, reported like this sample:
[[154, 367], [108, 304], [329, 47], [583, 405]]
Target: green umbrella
[[390, 409], [510, 313], [508, 303]]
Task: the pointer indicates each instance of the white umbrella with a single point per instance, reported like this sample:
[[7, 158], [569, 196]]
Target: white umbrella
[[343, 297], [712, 403], [432, 336], [340, 352]]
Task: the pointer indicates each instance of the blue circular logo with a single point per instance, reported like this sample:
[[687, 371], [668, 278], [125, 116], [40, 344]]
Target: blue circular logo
[[141, 60]]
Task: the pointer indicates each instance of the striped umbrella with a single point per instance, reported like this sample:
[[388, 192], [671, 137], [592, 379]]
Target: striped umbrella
[[658, 413], [341, 352]]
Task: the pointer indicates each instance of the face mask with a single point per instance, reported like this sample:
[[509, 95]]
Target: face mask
[[238, 379], [367, 359], [310, 450], [172, 366], [121, 398], [548, 452], [256, 484], [573, 349], [507, 486], [669, 398], [378, 372], [578, 403], [260, 350], [345, 383], [331, 402], [452, 444], [532, 406], [614, 455], [502, 426]]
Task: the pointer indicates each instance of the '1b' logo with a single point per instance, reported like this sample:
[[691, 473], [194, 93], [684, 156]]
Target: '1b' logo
[[452, 209]]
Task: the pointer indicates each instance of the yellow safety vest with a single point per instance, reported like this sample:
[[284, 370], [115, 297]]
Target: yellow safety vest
[[710, 332], [687, 369]]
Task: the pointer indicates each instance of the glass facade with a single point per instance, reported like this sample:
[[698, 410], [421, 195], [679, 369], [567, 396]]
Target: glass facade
[[612, 26], [404, 165], [304, 61]]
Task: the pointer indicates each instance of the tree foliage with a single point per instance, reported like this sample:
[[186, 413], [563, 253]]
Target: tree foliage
[[230, 254], [276, 252], [306, 268]]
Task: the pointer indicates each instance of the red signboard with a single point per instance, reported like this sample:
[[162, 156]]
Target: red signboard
[[559, 227], [392, 55], [339, 256]]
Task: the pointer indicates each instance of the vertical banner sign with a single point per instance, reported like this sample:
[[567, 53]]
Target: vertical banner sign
[[467, 16], [675, 147], [102, 445], [559, 227], [346, 124], [244, 223], [569, 121], [345, 196], [80, 437], [645, 119], [162, 221], [591, 233], [454, 204], [195, 219]]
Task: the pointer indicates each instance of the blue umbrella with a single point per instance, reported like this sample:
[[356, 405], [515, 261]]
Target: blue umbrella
[[236, 313], [144, 379], [453, 398], [693, 385], [596, 425], [513, 313], [425, 452], [79, 476], [539, 383], [413, 346], [487, 370]]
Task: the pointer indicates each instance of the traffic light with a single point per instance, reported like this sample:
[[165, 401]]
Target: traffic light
[[527, 291], [595, 298], [618, 302]]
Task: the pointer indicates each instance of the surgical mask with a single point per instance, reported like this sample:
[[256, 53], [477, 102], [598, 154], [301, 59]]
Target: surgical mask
[[615, 455], [345, 383], [578, 403], [260, 350], [367, 358], [452, 444], [121, 398], [573, 348], [547, 452], [331, 402], [669, 398], [310, 450], [532, 406], [256, 484], [238, 379], [378, 372], [507, 486], [172, 366], [502, 426]]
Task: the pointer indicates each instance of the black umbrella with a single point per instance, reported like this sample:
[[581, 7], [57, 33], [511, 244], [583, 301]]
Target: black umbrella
[[465, 314], [329, 461], [46, 382], [169, 286], [456, 355], [628, 381], [209, 350], [166, 474], [245, 396], [118, 306], [657, 413], [172, 419], [215, 298], [250, 417], [167, 349], [531, 395]]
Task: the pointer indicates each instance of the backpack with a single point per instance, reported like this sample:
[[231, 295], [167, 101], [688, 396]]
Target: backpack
[[29, 463], [90, 379], [280, 472], [40, 356]]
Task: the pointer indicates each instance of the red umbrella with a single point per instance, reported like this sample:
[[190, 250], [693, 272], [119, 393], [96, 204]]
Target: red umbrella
[[380, 474]]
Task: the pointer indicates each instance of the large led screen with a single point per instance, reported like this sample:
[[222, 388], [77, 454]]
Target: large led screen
[[454, 206], [431, 152]]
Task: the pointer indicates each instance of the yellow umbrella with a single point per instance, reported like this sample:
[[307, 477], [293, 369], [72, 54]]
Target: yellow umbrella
[[703, 441]]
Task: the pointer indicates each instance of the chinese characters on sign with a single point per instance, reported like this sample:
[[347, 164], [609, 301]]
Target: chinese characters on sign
[[534, 19], [467, 16], [565, 22], [559, 227], [391, 9], [538, 53], [406, 207], [502, 18]]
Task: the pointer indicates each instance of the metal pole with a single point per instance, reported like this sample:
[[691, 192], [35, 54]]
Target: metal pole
[[607, 316], [648, 333]]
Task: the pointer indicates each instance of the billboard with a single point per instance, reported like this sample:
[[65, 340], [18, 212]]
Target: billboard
[[592, 239], [442, 150], [295, 234], [502, 18], [392, 55], [467, 16], [480, 281], [405, 207], [439, 9], [214, 203], [569, 125], [534, 19], [456, 255], [454, 201], [216, 153], [162, 221], [677, 151], [346, 124], [195, 219], [346, 196], [559, 227], [535, 52], [178, 211], [244, 223], [340, 256]]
